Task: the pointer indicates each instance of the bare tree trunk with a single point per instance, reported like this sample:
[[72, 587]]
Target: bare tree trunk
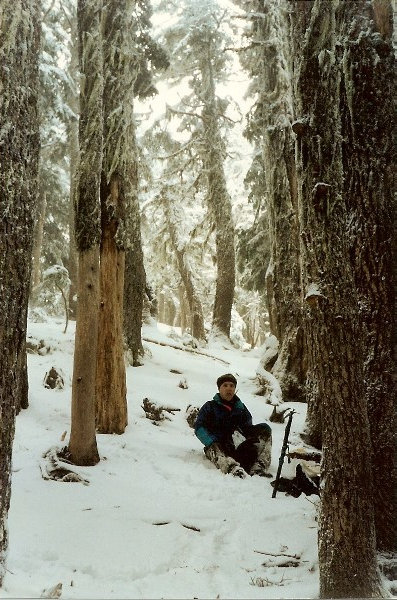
[[111, 411], [335, 336], [368, 112], [82, 444], [135, 276], [19, 141]]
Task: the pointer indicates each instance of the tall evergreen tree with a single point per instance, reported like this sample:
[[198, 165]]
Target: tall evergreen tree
[[266, 56], [196, 44], [19, 142], [333, 160], [149, 57], [368, 115], [82, 444], [120, 71]]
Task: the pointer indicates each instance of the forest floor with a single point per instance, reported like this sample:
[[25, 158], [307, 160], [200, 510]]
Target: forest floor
[[156, 519]]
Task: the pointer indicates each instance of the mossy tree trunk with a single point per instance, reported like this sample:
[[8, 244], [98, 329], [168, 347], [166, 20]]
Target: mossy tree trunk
[[82, 443], [73, 139], [368, 112], [270, 66], [135, 275], [219, 202], [120, 68], [336, 336], [19, 140]]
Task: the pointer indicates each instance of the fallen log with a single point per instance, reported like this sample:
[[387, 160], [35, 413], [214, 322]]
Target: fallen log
[[185, 349]]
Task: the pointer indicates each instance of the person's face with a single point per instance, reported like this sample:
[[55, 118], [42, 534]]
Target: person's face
[[227, 391]]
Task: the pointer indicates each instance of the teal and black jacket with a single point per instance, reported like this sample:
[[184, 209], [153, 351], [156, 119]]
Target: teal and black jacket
[[218, 420]]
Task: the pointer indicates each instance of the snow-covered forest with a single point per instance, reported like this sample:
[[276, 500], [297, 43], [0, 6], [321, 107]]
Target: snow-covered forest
[[188, 189]]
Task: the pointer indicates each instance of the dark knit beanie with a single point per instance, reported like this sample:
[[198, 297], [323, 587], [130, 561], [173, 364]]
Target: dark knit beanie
[[226, 377]]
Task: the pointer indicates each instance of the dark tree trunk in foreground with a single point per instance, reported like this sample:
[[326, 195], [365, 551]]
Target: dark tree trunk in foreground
[[82, 444], [19, 143], [368, 113], [335, 333]]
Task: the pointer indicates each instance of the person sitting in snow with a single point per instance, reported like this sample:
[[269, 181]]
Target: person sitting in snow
[[222, 417]]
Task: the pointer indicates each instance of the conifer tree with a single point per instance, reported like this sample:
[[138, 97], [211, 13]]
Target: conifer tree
[[19, 142], [196, 45], [82, 444]]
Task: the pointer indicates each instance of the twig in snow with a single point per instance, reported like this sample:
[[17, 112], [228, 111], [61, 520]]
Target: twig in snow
[[175, 347]]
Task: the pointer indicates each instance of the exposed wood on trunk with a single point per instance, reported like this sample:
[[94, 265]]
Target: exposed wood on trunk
[[82, 444], [111, 400]]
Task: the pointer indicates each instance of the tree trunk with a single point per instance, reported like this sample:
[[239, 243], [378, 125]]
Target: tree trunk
[[135, 276], [134, 293], [218, 200], [368, 110], [111, 412], [73, 138], [335, 336], [120, 68], [19, 140], [82, 444]]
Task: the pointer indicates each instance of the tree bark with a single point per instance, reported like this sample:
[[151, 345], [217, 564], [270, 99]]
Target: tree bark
[[111, 410], [134, 293], [335, 335], [135, 275], [82, 443], [120, 68], [73, 138], [274, 114], [19, 142], [368, 114]]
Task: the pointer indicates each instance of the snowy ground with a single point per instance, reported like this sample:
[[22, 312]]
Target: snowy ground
[[157, 520]]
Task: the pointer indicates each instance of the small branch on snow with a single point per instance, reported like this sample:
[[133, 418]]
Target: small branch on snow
[[155, 412], [296, 556], [59, 469], [175, 347]]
